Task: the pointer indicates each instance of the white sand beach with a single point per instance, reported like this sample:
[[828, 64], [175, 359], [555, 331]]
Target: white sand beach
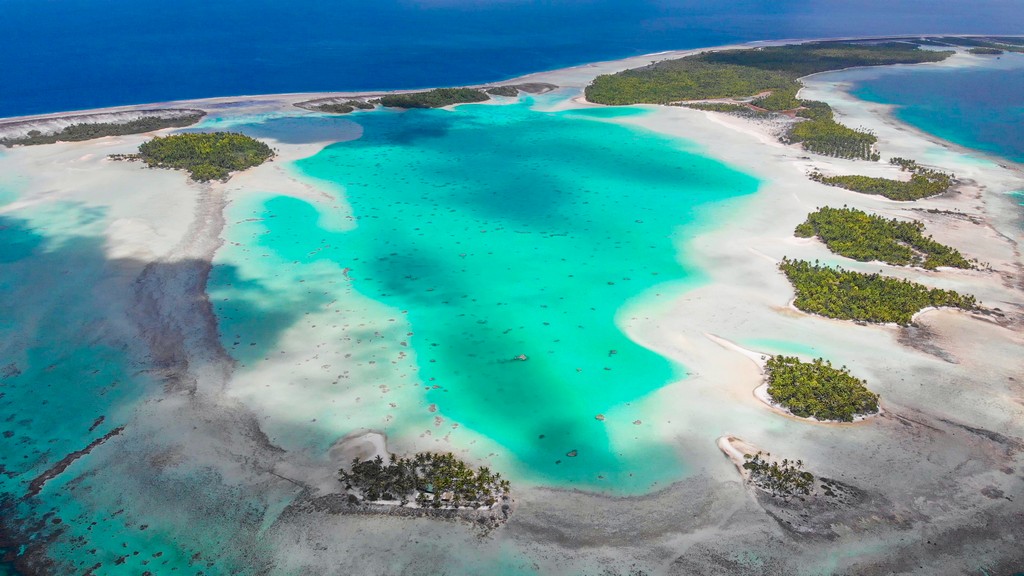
[[952, 385]]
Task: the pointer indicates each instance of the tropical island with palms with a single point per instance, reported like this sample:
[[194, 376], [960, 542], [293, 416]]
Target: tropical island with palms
[[351, 318]]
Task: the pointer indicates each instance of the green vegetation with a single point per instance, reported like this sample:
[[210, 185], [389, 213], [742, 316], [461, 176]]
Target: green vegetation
[[431, 480], [816, 389], [342, 107], [90, 131], [726, 108], [923, 182], [866, 237], [1007, 44], [985, 50], [206, 156], [782, 99], [786, 479], [1009, 40], [846, 295], [774, 70], [821, 134], [718, 107], [436, 98], [690, 78], [746, 72], [510, 91]]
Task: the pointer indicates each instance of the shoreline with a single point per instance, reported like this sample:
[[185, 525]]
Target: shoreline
[[614, 64], [761, 391], [744, 296]]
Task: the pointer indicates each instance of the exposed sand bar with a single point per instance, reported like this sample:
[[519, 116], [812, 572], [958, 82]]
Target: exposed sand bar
[[952, 385]]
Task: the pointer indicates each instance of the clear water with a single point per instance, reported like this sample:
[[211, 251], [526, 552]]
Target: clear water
[[498, 231], [775, 346], [64, 382], [79, 54], [979, 107]]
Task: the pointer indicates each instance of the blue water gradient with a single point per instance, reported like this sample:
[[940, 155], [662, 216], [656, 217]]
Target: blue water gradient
[[498, 231], [80, 54], [979, 107]]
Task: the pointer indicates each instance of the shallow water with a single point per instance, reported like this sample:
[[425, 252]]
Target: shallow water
[[978, 107], [86, 54], [499, 231], [484, 233], [775, 346], [64, 380]]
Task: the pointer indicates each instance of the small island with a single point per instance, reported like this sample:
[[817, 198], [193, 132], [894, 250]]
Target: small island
[[436, 98], [768, 78], [784, 479], [508, 91], [79, 128], [984, 50], [846, 295], [923, 182], [821, 134], [342, 107], [205, 156], [817, 390], [427, 480], [866, 237], [749, 72], [727, 108]]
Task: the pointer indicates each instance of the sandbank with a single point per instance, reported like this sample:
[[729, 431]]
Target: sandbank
[[274, 431]]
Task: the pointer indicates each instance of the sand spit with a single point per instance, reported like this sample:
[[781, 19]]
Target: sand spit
[[761, 392], [314, 104], [53, 123], [36, 485], [934, 485], [829, 509]]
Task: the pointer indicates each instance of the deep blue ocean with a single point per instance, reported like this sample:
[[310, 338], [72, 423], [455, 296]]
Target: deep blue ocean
[[980, 108], [80, 54]]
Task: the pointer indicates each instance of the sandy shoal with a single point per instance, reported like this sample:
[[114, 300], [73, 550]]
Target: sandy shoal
[[951, 370]]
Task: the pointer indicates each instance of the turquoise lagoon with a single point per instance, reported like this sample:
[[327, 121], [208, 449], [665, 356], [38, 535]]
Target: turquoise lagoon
[[498, 231], [65, 381], [978, 107]]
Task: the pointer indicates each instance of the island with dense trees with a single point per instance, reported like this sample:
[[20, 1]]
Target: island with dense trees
[[786, 479], [89, 130], [747, 72], [986, 51], [341, 107], [817, 390], [770, 75], [507, 91], [987, 45], [820, 133], [847, 295], [866, 237], [727, 108], [427, 480], [924, 182], [205, 156], [436, 98]]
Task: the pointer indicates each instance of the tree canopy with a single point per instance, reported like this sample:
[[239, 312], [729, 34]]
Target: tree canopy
[[91, 130], [816, 389], [923, 182], [206, 156], [436, 98], [865, 237], [847, 295], [784, 479], [431, 480], [745, 73]]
